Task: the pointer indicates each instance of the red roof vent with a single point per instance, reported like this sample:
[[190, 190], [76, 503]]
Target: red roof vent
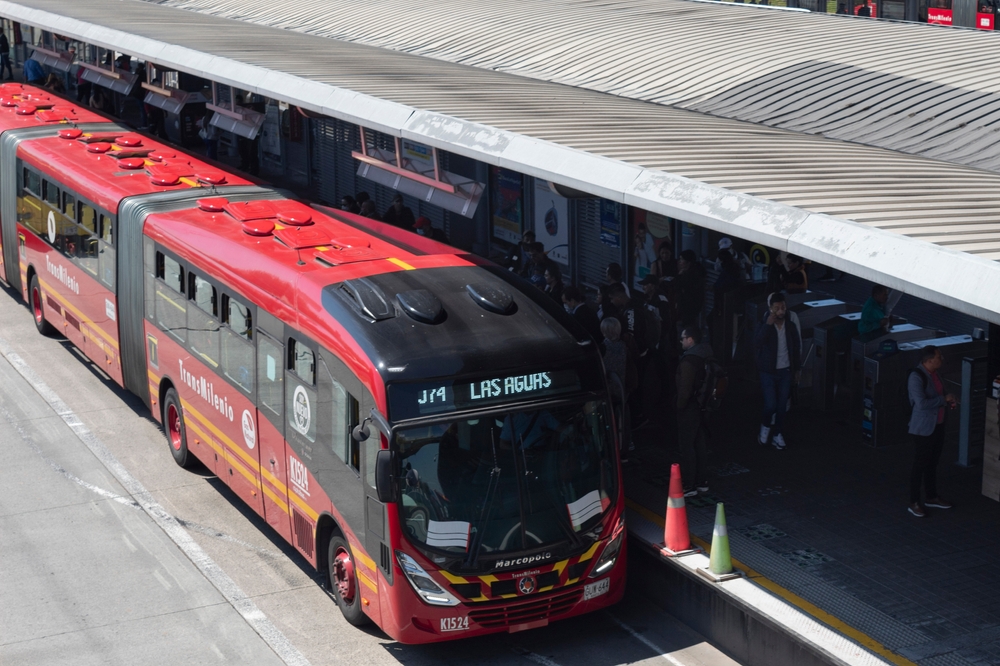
[[214, 205], [70, 133], [251, 210], [164, 179], [26, 110], [132, 140], [8, 102], [258, 227], [295, 218], [160, 155], [351, 241], [101, 147], [132, 163], [211, 177]]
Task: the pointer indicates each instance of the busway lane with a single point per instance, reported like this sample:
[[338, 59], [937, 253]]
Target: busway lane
[[61, 482]]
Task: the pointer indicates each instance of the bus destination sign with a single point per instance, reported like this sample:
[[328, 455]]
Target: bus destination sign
[[424, 399]]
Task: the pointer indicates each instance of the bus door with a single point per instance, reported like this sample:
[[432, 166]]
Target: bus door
[[270, 431]]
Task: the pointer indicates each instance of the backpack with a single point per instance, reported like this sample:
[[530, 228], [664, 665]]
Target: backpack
[[713, 386]]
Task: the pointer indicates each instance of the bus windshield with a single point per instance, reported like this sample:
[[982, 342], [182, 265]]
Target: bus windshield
[[507, 482]]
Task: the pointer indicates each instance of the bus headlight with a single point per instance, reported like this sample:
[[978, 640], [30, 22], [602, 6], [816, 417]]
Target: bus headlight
[[424, 585], [610, 554]]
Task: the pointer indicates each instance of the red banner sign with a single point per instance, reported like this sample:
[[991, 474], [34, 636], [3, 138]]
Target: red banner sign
[[939, 16], [984, 21]]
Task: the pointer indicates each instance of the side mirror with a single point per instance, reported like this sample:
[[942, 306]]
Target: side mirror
[[385, 463], [361, 432]]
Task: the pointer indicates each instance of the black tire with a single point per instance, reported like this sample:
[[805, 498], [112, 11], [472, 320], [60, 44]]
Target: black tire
[[37, 304], [343, 577], [173, 428]]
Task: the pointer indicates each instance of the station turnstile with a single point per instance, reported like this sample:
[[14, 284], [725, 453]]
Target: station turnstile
[[885, 409], [864, 346], [831, 356]]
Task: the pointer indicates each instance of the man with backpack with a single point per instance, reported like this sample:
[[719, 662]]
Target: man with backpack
[[928, 400], [634, 318], [691, 393]]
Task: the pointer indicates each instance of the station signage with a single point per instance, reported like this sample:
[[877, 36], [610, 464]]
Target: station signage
[[938, 16], [425, 399]]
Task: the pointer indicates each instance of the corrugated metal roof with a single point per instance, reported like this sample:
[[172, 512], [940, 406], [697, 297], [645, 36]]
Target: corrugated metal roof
[[785, 189], [920, 89]]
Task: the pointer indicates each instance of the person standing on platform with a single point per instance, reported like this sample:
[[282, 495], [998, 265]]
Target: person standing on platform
[[368, 210], [348, 203], [796, 280], [623, 379], [873, 314], [424, 227], [553, 284], [33, 72], [5, 57], [928, 399], [575, 305], [689, 287], [517, 257], [777, 349], [399, 215], [691, 436], [614, 275], [865, 10], [664, 267]]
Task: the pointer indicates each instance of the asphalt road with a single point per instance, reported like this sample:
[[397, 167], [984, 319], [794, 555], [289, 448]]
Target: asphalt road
[[111, 554]]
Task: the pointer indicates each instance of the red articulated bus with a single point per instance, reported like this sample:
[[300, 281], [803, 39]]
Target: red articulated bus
[[433, 435]]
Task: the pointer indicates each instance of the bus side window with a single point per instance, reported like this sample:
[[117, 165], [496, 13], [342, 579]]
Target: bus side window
[[237, 348], [107, 230], [69, 238], [171, 306], [106, 253], [302, 362], [29, 205], [203, 327], [299, 393], [51, 194], [87, 218], [270, 377], [344, 418]]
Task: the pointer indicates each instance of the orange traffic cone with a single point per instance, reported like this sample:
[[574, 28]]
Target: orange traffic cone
[[676, 537]]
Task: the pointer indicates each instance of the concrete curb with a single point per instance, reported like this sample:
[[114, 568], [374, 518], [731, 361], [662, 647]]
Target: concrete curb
[[738, 616]]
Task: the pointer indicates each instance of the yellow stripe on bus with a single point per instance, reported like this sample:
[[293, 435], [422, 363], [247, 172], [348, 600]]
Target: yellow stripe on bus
[[370, 583], [402, 264], [79, 315]]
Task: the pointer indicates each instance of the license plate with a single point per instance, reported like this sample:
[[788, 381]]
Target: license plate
[[592, 590], [455, 623]]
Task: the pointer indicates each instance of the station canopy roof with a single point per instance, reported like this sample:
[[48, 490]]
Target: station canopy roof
[[608, 105]]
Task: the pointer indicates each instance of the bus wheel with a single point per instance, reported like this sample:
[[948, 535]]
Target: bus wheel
[[344, 581], [37, 309], [173, 426]]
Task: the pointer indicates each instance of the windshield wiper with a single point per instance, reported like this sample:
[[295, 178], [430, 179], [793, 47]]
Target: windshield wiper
[[484, 517]]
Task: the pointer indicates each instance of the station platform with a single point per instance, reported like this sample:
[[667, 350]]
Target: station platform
[[822, 532]]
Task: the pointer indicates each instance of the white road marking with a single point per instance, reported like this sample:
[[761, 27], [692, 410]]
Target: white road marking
[[163, 581], [645, 641], [129, 544], [140, 496]]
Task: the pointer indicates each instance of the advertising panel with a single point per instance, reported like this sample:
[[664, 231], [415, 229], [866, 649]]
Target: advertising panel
[[506, 203], [552, 222]]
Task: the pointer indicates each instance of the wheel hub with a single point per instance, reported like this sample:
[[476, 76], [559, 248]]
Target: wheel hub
[[174, 427], [343, 575]]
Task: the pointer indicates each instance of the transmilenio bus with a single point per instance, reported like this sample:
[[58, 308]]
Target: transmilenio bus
[[432, 434]]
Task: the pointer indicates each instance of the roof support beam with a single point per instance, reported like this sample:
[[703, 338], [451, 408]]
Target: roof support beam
[[958, 280]]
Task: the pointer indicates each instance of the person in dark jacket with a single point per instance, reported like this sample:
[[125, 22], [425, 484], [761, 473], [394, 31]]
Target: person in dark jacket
[[424, 227], [577, 307], [689, 288], [553, 284], [349, 204], [518, 256], [398, 214], [777, 348], [5, 57], [928, 400], [691, 435]]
